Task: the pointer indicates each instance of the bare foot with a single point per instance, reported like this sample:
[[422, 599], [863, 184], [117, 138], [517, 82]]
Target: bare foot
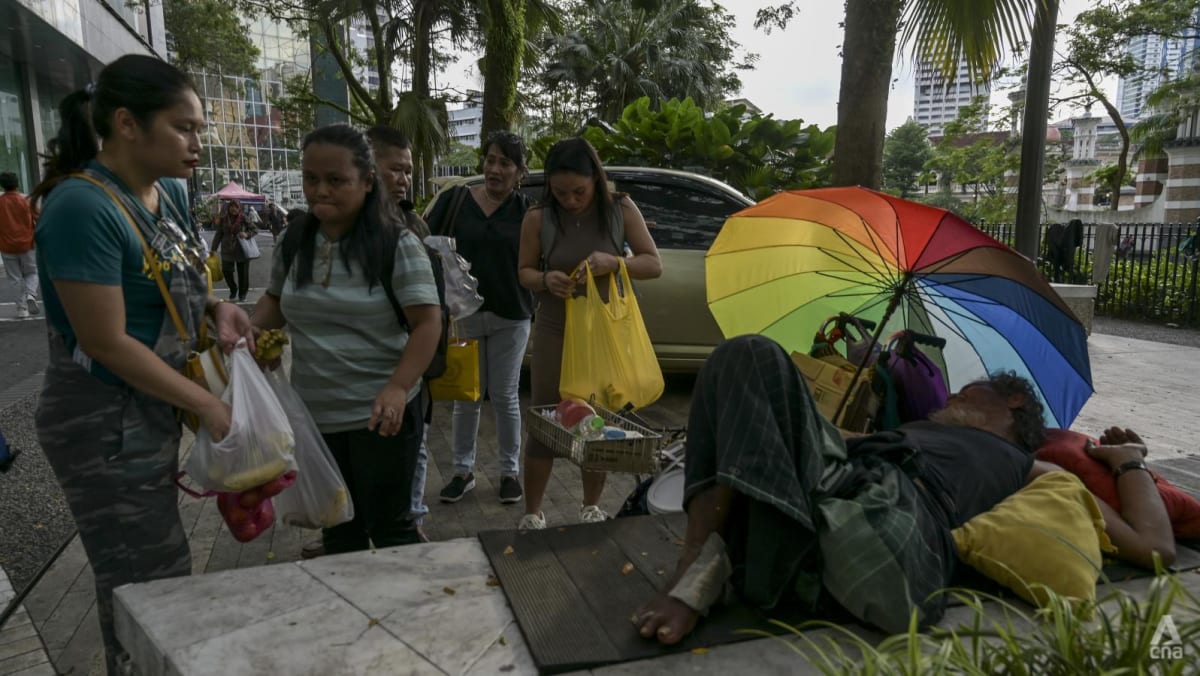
[[666, 618]]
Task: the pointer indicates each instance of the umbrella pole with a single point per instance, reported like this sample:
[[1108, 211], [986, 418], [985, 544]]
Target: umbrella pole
[[887, 314]]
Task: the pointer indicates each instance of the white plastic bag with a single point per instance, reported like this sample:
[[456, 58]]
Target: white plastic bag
[[462, 289], [260, 445], [319, 498]]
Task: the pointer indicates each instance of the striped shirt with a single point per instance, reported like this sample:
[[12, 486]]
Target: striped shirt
[[346, 337]]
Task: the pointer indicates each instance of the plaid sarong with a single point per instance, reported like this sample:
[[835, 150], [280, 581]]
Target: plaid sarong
[[859, 525]]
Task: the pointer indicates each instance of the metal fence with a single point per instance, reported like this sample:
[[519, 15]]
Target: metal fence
[[1153, 275]]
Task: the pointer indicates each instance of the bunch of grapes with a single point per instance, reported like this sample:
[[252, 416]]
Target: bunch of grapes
[[270, 344]]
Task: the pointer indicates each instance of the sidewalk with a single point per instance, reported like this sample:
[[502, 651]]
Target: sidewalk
[[1143, 385]]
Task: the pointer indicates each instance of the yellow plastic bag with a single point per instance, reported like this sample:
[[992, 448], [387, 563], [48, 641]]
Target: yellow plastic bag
[[607, 353], [460, 382], [213, 263]]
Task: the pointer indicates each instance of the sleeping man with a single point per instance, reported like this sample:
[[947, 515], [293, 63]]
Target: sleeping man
[[783, 507]]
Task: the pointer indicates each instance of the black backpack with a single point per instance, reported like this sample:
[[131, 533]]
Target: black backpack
[[437, 366]]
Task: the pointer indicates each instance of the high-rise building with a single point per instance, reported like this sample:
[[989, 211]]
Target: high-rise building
[[466, 123], [937, 100], [245, 141], [1161, 60], [50, 48]]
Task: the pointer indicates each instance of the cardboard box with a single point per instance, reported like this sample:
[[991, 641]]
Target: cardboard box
[[828, 383]]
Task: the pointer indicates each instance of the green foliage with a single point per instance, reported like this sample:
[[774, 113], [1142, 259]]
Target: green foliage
[[1055, 640], [775, 17], [461, 155], [905, 153], [297, 107], [617, 51], [1161, 289], [208, 35], [978, 161], [1169, 106], [504, 44], [1096, 51], [756, 154], [1105, 178]]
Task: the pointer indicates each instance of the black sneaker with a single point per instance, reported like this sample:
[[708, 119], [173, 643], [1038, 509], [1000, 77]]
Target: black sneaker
[[510, 490], [458, 487]]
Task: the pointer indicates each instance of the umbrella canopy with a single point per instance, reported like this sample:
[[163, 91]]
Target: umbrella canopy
[[234, 192], [783, 266]]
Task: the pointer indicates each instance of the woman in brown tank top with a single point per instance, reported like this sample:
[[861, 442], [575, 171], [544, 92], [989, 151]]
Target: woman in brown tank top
[[582, 208]]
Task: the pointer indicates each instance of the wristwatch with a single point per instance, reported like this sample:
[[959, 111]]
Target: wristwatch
[[1130, 466]]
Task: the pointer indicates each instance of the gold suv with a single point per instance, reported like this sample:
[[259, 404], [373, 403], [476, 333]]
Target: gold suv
[[685, 211]]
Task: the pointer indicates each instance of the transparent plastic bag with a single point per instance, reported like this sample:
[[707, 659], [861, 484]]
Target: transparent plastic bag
[[260, 446], [462, 289], [319, 498]]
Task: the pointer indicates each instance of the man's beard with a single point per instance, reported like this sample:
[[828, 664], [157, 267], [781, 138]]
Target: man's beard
[[962, 416]]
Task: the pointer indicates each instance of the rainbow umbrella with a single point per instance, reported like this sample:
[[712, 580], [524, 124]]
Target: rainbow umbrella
[[783, 266]]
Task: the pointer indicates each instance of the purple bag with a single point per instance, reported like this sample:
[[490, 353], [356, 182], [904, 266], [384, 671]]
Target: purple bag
[[920, 387]]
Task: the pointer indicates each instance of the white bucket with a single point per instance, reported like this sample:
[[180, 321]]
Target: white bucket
[[666, 493]]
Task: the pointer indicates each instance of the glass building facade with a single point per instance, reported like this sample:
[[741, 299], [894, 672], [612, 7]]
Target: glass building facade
[[246, 141], [49, 48]]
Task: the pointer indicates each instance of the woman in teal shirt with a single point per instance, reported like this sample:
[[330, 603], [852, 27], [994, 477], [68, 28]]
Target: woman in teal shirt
[[107, 418]]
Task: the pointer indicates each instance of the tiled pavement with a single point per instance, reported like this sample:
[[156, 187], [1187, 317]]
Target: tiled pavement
[[62, 605]]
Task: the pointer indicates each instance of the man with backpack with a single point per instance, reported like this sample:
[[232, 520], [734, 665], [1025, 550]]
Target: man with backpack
[[394, 164]]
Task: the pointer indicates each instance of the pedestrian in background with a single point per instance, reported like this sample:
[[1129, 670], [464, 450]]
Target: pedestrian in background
[[394, 166], [485, 221], [112, 221], [16, 245], [232, 227]]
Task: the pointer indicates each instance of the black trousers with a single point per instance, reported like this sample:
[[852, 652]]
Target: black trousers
[[379, 472], [237, 276]]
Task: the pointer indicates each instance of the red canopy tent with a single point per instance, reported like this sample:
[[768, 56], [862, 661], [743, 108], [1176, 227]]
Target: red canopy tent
[[236, 193]]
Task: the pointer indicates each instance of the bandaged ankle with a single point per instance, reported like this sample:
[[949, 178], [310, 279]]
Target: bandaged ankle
[[703, 583]]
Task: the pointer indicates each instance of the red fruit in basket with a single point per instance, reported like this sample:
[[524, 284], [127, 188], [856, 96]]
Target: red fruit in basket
[[571, 411]]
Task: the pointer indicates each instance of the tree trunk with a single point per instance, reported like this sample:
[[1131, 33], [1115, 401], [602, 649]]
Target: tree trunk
[[424, 17], [505, 39], [1033, 130], [867, 52], [1118, 179]]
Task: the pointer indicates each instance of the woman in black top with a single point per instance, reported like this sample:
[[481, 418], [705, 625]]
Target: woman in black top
[[485, 221]]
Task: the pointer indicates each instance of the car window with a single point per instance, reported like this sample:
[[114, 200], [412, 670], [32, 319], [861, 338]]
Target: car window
[[683, 218]]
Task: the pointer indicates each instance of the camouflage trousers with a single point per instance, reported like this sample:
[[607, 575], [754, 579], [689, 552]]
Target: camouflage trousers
[[115, 452]]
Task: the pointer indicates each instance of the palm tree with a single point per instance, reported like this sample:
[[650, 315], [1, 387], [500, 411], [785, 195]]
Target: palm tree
[[508, 36], [941, 32], [626, 49]]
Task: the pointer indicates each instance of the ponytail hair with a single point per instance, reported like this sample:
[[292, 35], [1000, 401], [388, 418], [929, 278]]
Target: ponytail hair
[[143, 85]]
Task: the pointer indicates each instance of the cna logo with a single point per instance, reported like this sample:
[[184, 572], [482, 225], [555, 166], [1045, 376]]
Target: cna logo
[[1166, 644]]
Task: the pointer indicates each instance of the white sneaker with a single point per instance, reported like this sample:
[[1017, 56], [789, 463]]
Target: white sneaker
[[32, 306], [592, 514], [22, 313], [532, 522]]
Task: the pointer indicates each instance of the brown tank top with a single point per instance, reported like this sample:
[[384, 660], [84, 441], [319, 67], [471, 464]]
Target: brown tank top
[[573, 244]]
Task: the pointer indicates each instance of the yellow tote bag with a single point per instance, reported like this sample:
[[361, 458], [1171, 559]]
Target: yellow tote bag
[[460, 382], [213, 263], [607, 354]]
